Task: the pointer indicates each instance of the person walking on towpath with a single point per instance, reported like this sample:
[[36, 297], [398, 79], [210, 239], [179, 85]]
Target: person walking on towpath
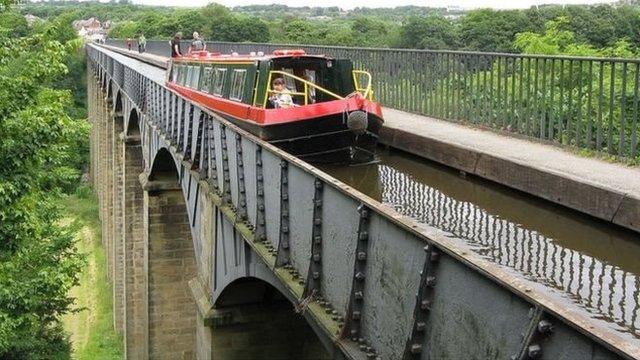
[[142, 43], [175, 45]]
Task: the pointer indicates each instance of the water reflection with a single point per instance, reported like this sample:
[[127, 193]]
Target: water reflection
[[595, 263]]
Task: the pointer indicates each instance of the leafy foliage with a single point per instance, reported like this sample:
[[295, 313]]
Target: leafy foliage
[[40, 155]]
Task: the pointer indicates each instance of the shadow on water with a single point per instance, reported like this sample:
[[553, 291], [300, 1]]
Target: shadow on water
[[595, 262]]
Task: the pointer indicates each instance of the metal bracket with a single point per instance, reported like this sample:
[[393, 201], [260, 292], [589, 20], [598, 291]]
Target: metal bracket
[[260, 234], [210, 146], [226, 177], [353, 325], [284, 255], [242, 193], [188, 153], [314, 275], [424, 298], [538, 330]]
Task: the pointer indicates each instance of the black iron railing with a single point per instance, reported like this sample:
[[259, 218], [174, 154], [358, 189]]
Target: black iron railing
[[589, 103]]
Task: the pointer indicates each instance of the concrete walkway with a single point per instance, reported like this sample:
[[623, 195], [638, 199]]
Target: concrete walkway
[[605, 190]]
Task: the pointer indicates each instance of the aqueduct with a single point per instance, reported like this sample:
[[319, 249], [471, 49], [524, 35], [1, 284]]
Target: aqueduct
[[222, 246]]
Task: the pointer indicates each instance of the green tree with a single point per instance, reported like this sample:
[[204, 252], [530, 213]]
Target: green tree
[[492, 30], [38, 259], [13, 24], [432, 32]]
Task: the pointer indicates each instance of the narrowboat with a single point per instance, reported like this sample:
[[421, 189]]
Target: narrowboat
[[328, 115]]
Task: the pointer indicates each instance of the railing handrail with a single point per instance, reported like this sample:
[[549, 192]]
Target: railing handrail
[[367, 92], [429, 51], [306, 83]]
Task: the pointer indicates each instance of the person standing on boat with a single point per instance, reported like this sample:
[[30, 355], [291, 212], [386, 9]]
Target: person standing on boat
[[175, 45], [281, 97], [198, 43], [129, 42], [142, 43]]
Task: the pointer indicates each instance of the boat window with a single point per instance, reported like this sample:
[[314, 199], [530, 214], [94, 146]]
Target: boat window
[[195, 77], [290, 83], [237, 84], [174, 73], [218, 82], [207, 79], [187, 79], [182, 76]]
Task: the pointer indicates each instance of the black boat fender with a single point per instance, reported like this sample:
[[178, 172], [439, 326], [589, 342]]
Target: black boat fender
[[357, 122]]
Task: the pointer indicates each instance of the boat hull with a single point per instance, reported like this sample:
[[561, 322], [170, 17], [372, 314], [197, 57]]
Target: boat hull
[[325, 140], [317, 133]]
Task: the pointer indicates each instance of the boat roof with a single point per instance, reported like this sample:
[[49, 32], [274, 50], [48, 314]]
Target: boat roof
[[206, 56]]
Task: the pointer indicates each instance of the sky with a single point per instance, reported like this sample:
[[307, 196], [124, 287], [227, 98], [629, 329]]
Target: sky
[[350, 4]]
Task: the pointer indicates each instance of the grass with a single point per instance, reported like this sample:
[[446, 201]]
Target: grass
[[91, 329]]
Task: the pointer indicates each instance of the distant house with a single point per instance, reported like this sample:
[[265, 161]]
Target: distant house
[[32, 19], [91, 29]]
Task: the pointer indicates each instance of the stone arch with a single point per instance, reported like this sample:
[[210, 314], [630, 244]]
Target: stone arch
[[118, 104], [109, 90], [252, 311], [172, 311], [104, 81], [163, 167], [133, 125]]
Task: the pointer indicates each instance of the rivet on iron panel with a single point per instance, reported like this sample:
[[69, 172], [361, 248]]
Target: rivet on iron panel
[[318, 202], [285, 229], [356, 315], [359, 276], [260, 192], [285, 245], [318, 240], [364, 235], [435, 256], [545, 327], [425, 305], [316, 275], [534, 351], [261, 207], [420, 326], [364, 214], [416, 348], [285, 197], [259, 177], [358, 295], [371, 355], [318, 184], [316, 257], [362, 256], [241, 177], [317, 221], [363, 347], [283, 164], [431, 281]]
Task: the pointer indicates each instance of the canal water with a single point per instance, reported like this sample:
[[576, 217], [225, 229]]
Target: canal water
[[596, 264]]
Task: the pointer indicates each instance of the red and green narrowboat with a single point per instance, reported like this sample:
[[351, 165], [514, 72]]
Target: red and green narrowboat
[[333, 118]]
